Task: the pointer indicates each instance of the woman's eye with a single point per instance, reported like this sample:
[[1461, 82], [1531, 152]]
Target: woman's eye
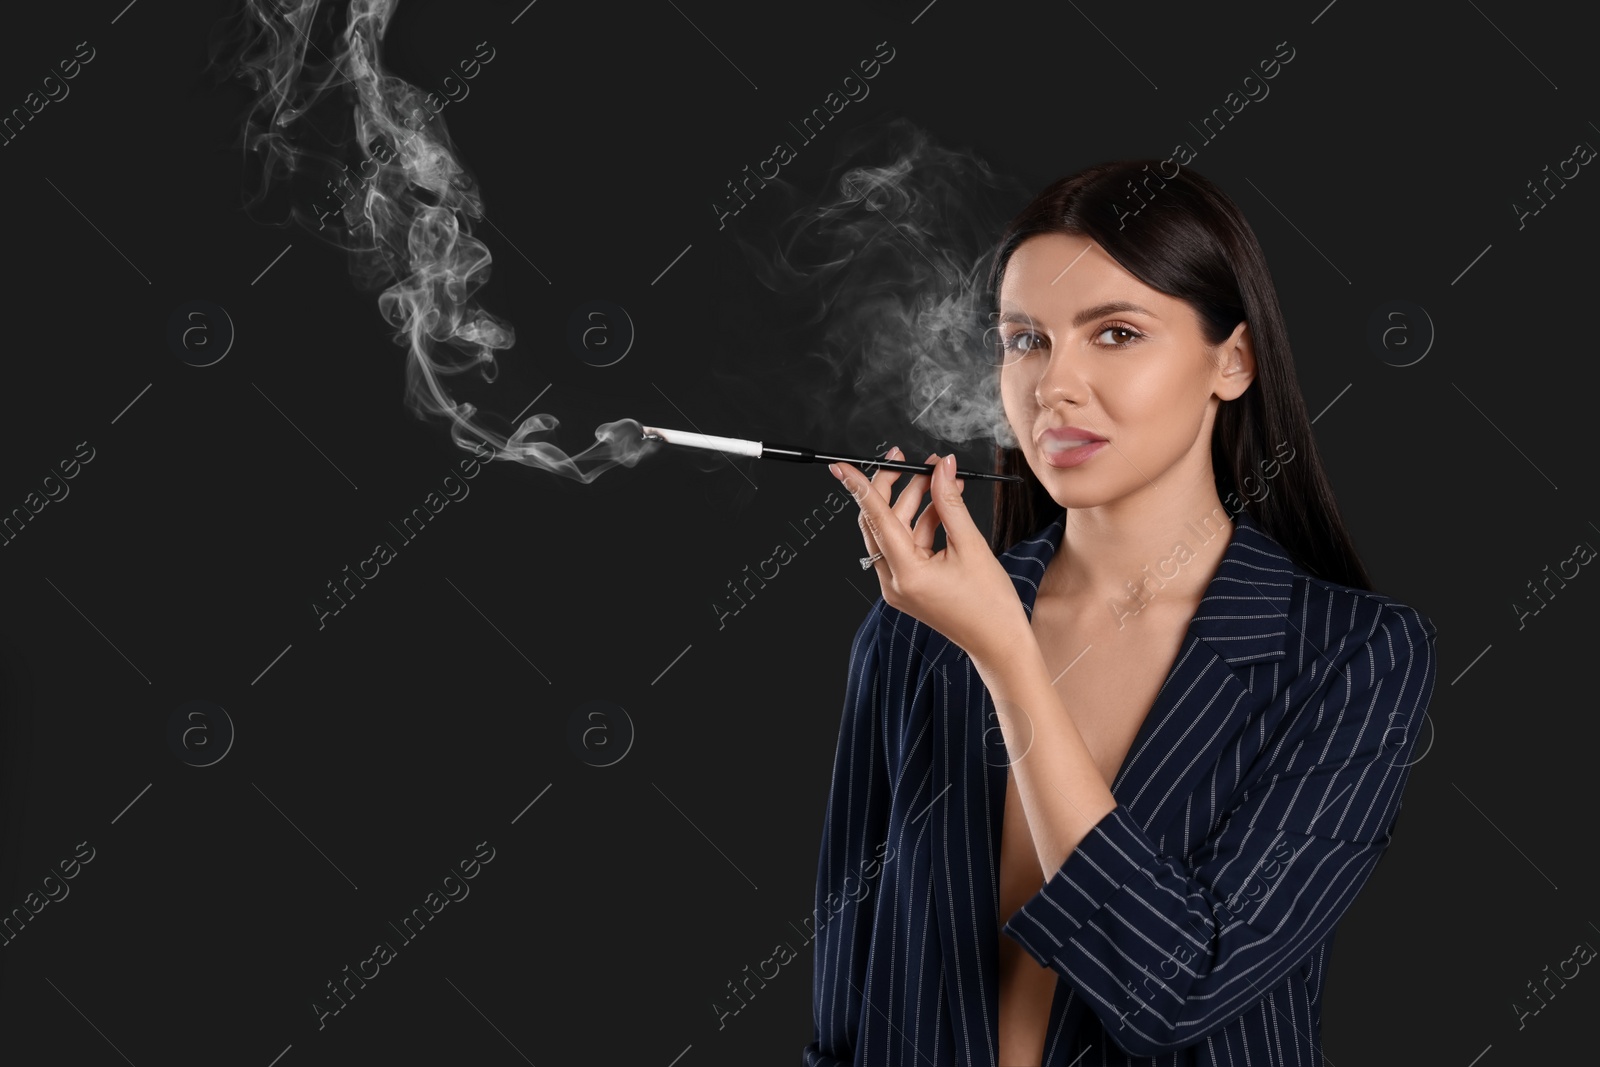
[[1128, 335], [1023, 341]]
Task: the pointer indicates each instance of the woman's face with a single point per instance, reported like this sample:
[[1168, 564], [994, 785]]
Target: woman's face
[[1088, 346]]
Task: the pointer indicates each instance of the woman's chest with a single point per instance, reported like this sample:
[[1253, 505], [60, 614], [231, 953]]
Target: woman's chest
[[1108, 672], [1107, 677]]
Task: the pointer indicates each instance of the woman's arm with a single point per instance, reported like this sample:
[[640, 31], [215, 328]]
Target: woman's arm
[[1166, 951], [1062, 791]]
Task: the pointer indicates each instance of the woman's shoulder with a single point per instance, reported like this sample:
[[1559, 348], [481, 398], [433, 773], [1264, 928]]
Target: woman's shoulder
[[1317, 598], [1368, 616], [1391, 608]]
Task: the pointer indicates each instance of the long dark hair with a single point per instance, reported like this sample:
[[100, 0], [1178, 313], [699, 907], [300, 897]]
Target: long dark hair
[[1182, 236]]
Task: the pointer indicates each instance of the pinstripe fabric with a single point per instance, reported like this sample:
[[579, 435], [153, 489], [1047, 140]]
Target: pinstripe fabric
[[1192, 926]]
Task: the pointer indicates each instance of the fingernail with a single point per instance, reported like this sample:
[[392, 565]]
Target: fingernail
[[950, 463], [837, 473], [895, 453]]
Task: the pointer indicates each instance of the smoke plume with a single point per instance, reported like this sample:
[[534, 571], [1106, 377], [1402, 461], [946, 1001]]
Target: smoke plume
[[893, 259], [391, 190]]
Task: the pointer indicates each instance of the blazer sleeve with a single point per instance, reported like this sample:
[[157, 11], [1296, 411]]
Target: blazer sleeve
[[1166, 951], [854, 844]]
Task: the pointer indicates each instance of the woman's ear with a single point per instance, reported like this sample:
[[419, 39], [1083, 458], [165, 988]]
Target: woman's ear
[[1236, 365]]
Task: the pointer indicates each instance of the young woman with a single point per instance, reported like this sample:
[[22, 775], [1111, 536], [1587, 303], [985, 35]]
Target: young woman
[[1159, 742]]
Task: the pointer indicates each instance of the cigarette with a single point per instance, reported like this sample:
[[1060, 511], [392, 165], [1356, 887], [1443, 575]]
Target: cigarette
[[762, 450]]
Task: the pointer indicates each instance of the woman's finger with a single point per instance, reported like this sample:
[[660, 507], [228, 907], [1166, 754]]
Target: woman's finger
[[927, 525], [961, 533], [883, 479], [911, 496], [879, 524]]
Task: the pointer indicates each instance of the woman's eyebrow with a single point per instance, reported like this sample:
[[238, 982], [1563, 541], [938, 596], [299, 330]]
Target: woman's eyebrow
[[1110, 307]]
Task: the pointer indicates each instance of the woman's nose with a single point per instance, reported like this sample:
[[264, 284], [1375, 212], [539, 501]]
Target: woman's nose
[[1059, 381]]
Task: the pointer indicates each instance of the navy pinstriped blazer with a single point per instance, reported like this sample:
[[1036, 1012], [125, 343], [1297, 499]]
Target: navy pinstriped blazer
[[1192, 926]]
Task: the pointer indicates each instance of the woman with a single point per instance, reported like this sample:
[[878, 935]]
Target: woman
[[1157, 743]]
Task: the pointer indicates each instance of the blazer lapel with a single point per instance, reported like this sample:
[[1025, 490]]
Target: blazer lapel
[[1206, 699]]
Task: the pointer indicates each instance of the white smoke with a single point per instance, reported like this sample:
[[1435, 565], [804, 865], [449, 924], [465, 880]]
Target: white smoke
[[405, 213], [896, 257]]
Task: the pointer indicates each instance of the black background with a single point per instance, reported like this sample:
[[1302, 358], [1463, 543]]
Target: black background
[[377, 751]]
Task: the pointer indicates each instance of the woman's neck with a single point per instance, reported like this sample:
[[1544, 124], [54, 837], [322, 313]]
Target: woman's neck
[[1123, 550]]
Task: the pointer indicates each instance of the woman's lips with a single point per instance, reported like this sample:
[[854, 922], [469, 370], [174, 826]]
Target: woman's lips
[[1069, 452]]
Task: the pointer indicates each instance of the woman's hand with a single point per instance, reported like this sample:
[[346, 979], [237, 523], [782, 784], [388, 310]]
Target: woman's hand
[[962, 591]]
